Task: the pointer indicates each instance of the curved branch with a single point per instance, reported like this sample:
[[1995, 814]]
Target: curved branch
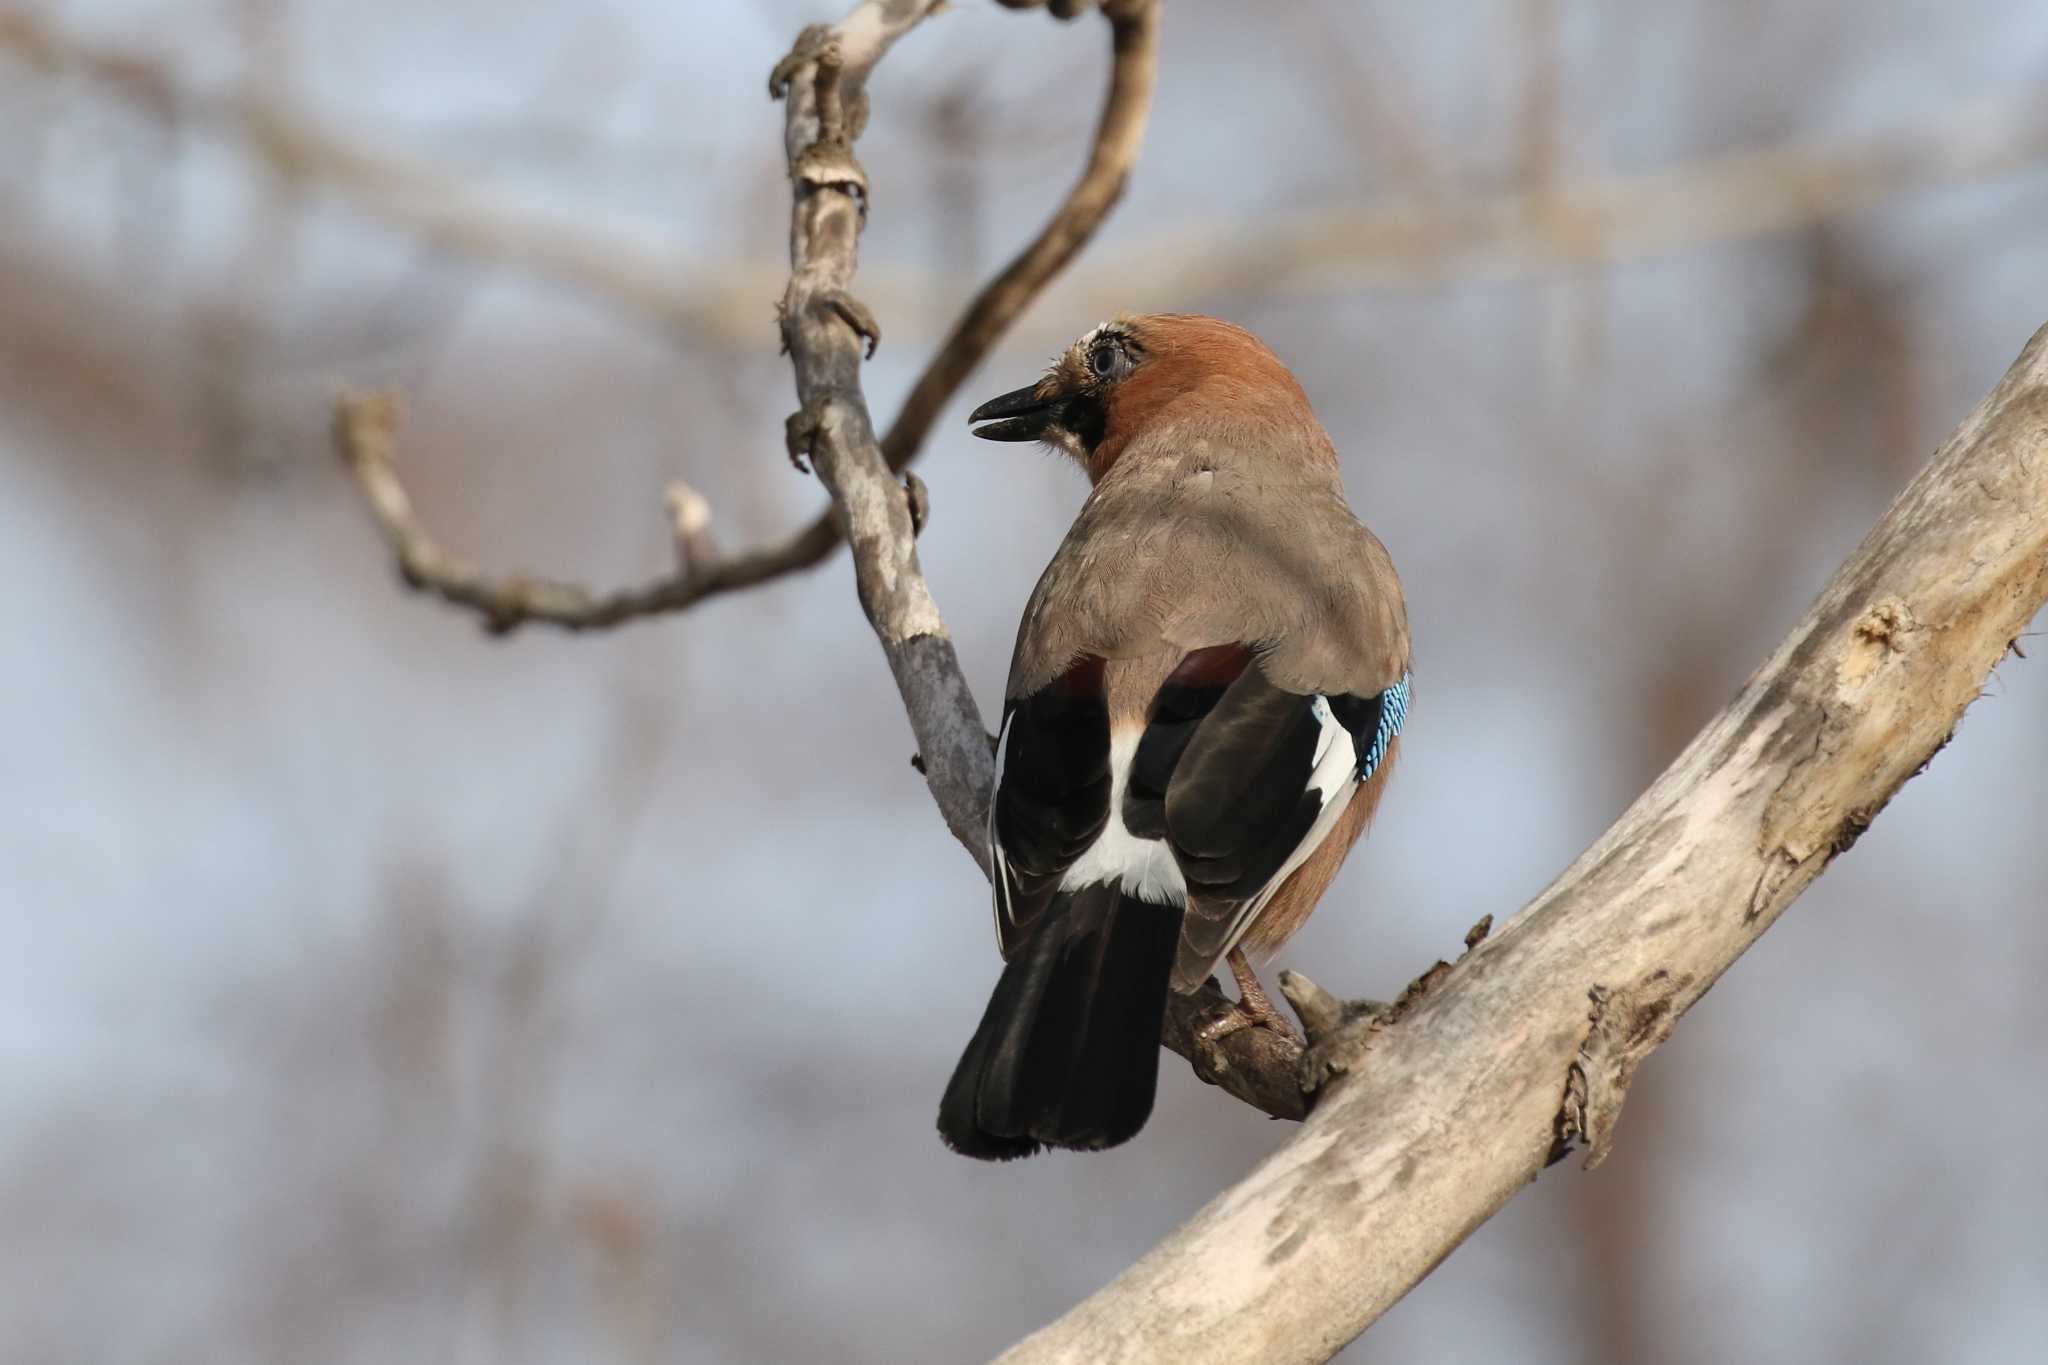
[[366, 434], [1119, 136], [1529, 1043], [366, 431]]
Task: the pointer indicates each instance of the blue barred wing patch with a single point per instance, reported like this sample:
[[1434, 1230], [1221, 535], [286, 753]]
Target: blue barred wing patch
[[1373, 722], [1393, 710]]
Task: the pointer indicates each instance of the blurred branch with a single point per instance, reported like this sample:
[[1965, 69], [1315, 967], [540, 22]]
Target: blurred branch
[[412, 195], [1433, 238], [1527, 1046], [1753, 193]]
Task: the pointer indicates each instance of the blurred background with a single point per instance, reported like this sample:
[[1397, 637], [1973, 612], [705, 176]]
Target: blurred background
[[376, 990]]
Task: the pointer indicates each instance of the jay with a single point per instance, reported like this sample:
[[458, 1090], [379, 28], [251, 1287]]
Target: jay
[[1203, 706]]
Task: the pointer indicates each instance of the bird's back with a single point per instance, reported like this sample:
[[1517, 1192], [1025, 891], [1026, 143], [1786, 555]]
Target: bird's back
[[1191, 547]]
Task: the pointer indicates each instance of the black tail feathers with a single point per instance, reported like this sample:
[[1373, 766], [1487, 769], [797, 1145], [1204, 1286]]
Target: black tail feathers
[[1067, 1054]]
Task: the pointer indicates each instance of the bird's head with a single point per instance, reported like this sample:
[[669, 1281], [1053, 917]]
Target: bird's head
[[1132, 374]]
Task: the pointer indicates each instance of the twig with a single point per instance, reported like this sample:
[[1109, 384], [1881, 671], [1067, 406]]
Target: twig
[[442, 208], [1119, 135], [366, 434], [1530, 1042]]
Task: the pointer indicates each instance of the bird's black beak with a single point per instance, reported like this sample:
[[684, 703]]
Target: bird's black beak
[[1023, 415]]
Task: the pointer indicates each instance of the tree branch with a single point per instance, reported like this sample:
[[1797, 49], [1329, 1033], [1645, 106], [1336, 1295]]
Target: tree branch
[[824, 329], [1528, 1045], [366, 434], [826, 332], [365, 426]]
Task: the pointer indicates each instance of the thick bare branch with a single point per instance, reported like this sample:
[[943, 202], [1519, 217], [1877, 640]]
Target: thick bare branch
[[1529, 1043]]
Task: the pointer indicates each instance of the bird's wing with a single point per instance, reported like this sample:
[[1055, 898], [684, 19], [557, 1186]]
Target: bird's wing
[[1052, 793], [1257, 784]]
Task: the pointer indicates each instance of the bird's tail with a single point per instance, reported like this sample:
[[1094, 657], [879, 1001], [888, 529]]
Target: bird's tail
[[1067, 1054]]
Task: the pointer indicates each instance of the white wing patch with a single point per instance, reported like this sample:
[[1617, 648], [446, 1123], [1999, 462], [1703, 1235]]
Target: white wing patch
[[1144, 867]]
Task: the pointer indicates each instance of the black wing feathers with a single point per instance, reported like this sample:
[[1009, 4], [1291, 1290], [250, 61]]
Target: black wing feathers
[[1053, 799], [1239, 803]]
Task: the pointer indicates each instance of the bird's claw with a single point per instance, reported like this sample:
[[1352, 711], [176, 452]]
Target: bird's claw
[[1244, 1014]]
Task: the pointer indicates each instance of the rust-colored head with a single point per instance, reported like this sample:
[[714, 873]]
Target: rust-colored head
[[1133, 373]]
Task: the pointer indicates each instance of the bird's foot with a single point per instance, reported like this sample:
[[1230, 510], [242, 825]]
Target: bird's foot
[[1254, 1008], [1242, 1016]]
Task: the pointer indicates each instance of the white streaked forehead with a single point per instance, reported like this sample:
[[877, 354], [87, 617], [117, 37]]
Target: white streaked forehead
[[1096, 333]]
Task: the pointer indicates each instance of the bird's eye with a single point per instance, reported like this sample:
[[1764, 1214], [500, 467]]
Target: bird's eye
[[1105, 360]]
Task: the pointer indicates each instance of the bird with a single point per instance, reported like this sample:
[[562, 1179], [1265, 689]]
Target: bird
[[1204, 703]]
